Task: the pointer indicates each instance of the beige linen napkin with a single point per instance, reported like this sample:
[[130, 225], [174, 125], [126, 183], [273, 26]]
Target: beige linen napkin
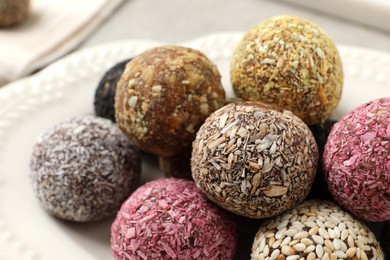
[[52, 29]]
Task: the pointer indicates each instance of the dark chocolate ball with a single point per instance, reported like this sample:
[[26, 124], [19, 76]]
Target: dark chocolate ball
[[104, 102]]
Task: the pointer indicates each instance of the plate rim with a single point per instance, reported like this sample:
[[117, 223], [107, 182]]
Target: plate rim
[[10, 93]]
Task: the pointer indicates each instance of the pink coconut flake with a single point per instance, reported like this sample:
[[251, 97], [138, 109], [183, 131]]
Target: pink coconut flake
[[192, 228], [369, 136], [357, 158]]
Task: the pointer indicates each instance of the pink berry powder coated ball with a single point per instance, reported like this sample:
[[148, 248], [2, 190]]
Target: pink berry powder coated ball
[[170, 219], [357, 161]]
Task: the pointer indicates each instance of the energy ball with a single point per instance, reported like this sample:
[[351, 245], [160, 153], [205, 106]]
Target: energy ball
[[357, 161], [170, 219], [254, 160], [13, 11], [316, 229], [321, 131], [178, 166], [104, 100], [292, 64], [163, 97], [82, 169], [385, 241]]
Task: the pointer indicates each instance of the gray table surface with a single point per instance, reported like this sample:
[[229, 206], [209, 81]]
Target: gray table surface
[[175, 21]]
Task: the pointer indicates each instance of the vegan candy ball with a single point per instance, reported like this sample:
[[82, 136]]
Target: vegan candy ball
[[315, 229], [163, 97], [385, 239], [13, 12], [320, 189], [83, 168], [357, 161], [178, 166], [104, 99], [253, 160], [292, 64], [170, 219]]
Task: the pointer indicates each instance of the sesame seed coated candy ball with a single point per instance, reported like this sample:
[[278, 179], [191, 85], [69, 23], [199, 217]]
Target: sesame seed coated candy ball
[[290, 63], [83, 168], [170, 219], [357, 161], [104, 99], [315, 229], [253, 160], [163, 97]]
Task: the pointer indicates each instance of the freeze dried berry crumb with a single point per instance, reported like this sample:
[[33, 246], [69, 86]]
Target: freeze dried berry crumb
[[170, 219], [357, 161]]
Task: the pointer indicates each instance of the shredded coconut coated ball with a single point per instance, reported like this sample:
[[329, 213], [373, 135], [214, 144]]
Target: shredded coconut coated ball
[[292, 64], [82, 169], [170, 219], [357, 161]]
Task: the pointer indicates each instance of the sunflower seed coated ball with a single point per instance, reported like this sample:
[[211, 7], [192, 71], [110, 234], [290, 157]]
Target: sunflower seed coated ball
[[290, 63], [82, 169], [315, 229], [163, 97], [254, 160]]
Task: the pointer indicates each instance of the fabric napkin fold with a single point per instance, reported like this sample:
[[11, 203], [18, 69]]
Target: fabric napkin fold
[[53, 28]]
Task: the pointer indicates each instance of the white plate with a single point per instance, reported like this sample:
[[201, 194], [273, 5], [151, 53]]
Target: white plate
[[65, 89]]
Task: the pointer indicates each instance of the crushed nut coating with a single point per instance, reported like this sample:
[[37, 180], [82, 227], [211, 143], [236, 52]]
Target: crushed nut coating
[[254, 160], [290, 63], [163, 97]]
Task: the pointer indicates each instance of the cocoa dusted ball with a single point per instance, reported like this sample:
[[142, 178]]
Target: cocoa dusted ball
[[315, 229], [163, 97], [83, 168], [292, 64], [254, 160], [104, 100]]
